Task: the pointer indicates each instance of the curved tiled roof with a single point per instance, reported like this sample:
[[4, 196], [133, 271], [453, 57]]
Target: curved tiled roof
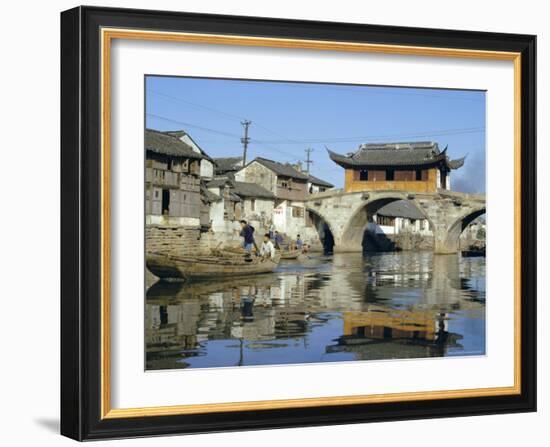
[[424, 153]]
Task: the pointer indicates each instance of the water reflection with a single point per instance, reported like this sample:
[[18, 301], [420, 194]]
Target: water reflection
[[338, 308]]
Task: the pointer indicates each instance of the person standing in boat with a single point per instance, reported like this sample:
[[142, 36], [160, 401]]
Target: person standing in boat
[[299, 243], [278, 240], [268, 249], [247, 233]]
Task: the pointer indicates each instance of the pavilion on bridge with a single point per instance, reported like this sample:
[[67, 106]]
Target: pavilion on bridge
[[413, 166]]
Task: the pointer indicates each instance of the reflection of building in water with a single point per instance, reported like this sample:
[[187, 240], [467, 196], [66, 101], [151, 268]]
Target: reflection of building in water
[[384, 334], [379, 323], [388, 308]]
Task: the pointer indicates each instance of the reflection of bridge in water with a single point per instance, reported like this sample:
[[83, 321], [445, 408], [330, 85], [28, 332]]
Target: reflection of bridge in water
[[384, 306], [347, 214]]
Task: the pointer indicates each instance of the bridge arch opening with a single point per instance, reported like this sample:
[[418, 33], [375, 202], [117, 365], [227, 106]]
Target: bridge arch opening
[[323, 229], [364, 233], [467, 233]]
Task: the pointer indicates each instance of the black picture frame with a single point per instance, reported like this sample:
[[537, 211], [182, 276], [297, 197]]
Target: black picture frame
[[81, 223]]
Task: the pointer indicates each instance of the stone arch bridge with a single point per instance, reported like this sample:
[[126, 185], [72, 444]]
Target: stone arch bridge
[[347, 214]]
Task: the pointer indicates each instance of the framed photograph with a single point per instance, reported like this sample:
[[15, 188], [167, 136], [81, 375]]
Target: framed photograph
[[275, 223]]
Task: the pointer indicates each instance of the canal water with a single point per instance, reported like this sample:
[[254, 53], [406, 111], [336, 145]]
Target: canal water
[[336, 308]]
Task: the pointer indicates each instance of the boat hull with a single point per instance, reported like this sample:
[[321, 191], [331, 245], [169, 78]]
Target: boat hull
[[175, 267], [290, 254]]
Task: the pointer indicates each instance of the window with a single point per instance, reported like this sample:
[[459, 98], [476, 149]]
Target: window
[[364, 176], [252, 204], [389, 174], [385, 221], [297, 211], [418, 174]]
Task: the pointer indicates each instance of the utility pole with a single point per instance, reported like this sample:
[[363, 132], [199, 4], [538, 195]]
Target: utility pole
[[246, 139], [308, 159]]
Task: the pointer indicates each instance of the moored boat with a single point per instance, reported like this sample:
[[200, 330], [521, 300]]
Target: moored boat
[[289, 254], [176, 267]]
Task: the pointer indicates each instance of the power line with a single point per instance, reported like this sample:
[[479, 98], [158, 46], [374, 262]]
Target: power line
[[206, 129], [233, 136], [287, 140], [371, 137], [211, 109], [222, 113], [268, 144]]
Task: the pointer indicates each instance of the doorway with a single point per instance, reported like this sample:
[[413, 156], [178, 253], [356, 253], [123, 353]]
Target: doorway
[[165, 201]]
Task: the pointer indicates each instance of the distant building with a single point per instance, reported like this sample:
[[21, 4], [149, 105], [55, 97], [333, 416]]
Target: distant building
[[474, 234], [291, 187], [257, 202], [399, 217], [239, 200], [225, 211], [416, 166], [207, 164], [209, 200], [172, 180], [282, 179], [315, 184], [227, 166]]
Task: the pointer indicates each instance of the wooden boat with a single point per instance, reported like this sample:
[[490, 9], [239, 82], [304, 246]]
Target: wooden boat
[[208, 265], [290, 253], [285, 253]]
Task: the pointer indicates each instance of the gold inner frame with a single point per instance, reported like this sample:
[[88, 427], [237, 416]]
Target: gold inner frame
[[107, 35]]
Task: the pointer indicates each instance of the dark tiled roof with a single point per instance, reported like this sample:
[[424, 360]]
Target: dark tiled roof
[[401, 208], [163, 143], [242, 189], [320, 182], [234, 197], [285, 170], [181, 133], [217, 182], [228, 164], [208, 195], [245, 189], [410, 154], [458, 163]]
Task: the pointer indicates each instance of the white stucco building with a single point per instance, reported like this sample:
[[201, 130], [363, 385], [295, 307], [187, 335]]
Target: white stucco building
[[207, 166], [239, 200], [399, 217]]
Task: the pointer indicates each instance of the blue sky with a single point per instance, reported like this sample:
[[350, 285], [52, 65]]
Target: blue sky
[[287, 118]]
